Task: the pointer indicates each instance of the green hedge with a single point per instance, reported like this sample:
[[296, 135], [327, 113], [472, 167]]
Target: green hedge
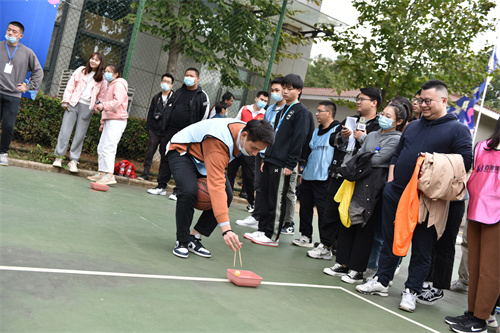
[[39, 122]]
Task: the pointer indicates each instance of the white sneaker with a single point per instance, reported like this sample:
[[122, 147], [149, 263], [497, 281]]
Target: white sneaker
[[57, 162], [459, 287], [172, 196], [3, 160], [408, 301], [96, 177], [492, 322], [72, 166], [157, 191], [320, 252], [264, 240], [373, 287], [303, 241], [249, 221], [252, 235], [107, 179]]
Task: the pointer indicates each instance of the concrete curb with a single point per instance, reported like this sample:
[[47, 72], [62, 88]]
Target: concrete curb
[[85, 173]]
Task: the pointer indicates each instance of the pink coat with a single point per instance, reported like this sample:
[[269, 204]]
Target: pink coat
[[484, 186], [77, 84], [116, 101]]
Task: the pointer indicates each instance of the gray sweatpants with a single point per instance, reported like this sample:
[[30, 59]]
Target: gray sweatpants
[[81, 114]]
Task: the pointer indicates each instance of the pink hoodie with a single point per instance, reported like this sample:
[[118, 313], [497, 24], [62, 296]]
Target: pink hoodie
[[76, 86], [116, 101]]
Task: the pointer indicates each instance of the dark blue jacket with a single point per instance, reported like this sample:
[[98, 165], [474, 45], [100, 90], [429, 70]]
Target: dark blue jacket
[[443, 135]]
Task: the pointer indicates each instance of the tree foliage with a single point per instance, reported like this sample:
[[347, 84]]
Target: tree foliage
[[320, 73], [492, 98], [397, 45], [224, 35]]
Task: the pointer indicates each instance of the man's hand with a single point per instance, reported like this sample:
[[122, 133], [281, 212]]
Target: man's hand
[[232, 241], [358, 134], [287, 172], [21, 87], [345, 132]]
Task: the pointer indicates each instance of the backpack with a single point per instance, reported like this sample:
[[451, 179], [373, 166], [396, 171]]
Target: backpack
[[125, 168]]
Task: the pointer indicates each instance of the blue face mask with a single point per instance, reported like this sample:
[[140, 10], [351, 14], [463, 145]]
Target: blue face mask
[[11, 40], [108, 77], [277, 97], [385, 123], [261, 104], [189, 81], [165, 86]]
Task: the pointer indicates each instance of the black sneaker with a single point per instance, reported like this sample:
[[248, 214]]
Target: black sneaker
[[196, 247], [459, 319], [336, 270], [288, 228], [471, 325], [430, 296], [353, 277], [181, 250]]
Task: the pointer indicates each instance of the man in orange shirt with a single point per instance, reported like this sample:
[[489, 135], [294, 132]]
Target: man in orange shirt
[[205, 149]]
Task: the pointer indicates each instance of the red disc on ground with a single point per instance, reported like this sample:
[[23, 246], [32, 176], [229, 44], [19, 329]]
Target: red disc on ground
[[203, 202], [99, 187]]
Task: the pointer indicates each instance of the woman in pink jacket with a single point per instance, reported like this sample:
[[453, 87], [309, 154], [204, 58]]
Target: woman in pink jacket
[[113, 122], [85, 86]]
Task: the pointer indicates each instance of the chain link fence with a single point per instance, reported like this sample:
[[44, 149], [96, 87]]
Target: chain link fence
[[228, 43]]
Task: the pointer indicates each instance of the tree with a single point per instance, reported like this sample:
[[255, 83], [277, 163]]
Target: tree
[[492, 98], [224, 35], [410, 41], [320, 73]]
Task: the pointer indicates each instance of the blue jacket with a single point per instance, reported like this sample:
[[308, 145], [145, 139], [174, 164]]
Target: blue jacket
[[443, 135]]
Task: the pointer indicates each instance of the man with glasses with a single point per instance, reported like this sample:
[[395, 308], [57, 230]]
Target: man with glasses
[[417, 102], [367, 102], [436, 132]]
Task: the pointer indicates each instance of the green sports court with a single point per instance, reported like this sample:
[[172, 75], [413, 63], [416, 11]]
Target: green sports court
[[76, 260]]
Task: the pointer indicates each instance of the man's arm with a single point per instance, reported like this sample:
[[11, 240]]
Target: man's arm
[[301, 125], [36, 72]]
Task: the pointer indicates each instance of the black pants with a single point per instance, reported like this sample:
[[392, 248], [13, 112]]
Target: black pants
[[312, 192], [186, 179], [165, 172], [258, 189], [248, 173], [274, 189], [329, 229], [355, 243], [422, 242], [443, 255], [9, 109], [153, 142]]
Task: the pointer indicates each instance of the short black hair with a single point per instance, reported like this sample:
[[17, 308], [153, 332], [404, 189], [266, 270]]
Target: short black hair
[[17, 24], [374, 93], [439, 85], [262, 93], [194, 70], [293, 80], [260, 130], [227, 96], [277, 80], [330, 105], [419, 91], [220, 106], [168, 75]]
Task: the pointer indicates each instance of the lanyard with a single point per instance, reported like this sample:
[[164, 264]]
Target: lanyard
[[283, 116], [8, 52]]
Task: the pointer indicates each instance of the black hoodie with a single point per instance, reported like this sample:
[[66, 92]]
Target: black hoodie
[[443, 135]]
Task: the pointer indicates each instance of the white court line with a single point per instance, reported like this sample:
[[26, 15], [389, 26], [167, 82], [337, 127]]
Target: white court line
[[190, 278]]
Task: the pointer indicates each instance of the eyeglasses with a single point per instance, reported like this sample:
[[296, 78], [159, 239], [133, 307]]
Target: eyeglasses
[[358, 99], [427, 101]]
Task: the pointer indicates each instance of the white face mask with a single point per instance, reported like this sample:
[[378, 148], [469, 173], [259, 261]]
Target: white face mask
[[165, 86], [242, 148], [10, 39]]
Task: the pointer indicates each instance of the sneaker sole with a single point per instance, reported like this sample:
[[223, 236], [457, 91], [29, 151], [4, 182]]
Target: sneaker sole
[[183, 256], [379, 293], [287, 233], [347, 279], [320, 257], [455, 329], [308, 245], [200, 253], [73, 171], [331, 273], [57, 166], [247, 237], [407, 309], [253, 226], [427, 302], [492, 323], [265, 243]]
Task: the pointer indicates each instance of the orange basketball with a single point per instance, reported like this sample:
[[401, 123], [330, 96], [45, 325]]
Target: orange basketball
[[203, 202]]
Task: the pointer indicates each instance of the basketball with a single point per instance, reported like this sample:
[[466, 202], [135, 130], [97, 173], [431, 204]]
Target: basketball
[[203, 202]]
